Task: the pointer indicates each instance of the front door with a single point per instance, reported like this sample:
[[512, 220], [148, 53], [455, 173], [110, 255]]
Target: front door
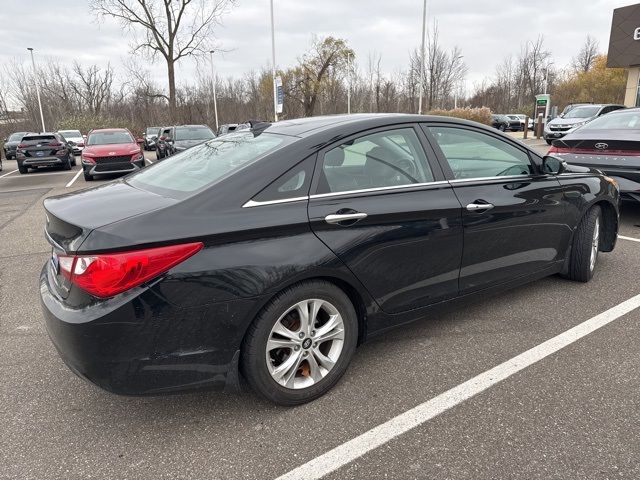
[[514, 218], [381, 207]]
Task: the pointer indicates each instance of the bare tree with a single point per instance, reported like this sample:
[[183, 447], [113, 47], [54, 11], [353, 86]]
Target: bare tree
[[587, 55], [173, 29], [93, 86]]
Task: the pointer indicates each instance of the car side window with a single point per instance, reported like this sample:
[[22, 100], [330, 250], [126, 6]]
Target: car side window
[[473, 154], [383, 159], [294, 183]]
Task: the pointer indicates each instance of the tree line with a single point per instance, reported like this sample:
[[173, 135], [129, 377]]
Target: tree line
[[320, 82]]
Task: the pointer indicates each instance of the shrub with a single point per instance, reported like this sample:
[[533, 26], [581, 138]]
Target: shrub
[[480, 115]]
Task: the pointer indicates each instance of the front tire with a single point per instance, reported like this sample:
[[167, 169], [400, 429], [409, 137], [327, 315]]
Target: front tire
[[301, 343], [586, 245], [87, 177]]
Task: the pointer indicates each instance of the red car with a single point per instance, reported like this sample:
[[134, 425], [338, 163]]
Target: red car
[[111, 150]]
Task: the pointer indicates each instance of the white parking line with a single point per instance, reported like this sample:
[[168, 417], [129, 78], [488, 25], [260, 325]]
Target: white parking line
[[7, 174], [385, 432], [75, 177], [150, 161], [629, 238]]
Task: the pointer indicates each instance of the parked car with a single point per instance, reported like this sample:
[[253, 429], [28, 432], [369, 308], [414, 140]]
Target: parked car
[[74, 138], [111, 150], [163, 142], [500, 122], [44, 150], [150, 136], [576, 117], [187, 136], [226, 128], [272, 252], [515, 123], [11, 144], [609, 143], [571, 106]]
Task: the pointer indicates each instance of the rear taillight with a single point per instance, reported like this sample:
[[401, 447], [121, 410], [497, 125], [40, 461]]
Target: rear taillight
[[55, 144], [23, 145], [108, 274], [594, 151]]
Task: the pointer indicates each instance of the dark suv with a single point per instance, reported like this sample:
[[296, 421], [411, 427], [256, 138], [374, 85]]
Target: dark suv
[[179, 138], [44, 150]]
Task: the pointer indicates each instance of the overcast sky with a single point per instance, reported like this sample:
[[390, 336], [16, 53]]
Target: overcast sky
[[486, 31]]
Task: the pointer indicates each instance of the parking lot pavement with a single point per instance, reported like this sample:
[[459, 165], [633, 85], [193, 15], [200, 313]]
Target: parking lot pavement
[[575, 414]]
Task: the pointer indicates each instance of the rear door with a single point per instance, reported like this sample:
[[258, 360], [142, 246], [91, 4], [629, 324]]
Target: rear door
[[514, 218], [380, 203]]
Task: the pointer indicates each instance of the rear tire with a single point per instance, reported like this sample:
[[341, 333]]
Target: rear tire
[[501, 128], [67, 165], [586, 245], [309, 366], [22, 169]]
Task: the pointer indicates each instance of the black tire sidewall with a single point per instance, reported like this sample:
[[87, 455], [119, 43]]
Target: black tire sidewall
[[579, 268], [253, 364]]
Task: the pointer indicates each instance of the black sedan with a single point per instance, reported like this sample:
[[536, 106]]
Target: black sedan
[[609, 143], [269, 254], [44, 150], [11, 143]]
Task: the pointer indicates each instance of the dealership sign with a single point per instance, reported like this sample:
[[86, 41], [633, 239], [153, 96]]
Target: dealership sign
[[624, 44]]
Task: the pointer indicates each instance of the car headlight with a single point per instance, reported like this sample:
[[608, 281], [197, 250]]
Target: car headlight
[[137, 157]]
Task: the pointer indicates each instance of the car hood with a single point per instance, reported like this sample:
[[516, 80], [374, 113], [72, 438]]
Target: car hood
[[188, 143], [568, 121], [96, 207], [112, 150]]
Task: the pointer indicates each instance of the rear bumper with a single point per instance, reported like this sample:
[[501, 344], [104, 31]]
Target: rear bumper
[[43, 161], [138, 344]]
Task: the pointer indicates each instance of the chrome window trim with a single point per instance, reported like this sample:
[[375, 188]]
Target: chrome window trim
[[477, 179], [253, 203], [379, 189]]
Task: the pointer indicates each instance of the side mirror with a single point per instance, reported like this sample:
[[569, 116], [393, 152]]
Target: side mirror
[[163, 138], [73, 144], [155, 137], [139, 141], [553, 165]]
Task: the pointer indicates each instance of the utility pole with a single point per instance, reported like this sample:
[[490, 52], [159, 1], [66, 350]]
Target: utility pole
[[215, 100], [349, 83], [33, 62], [424, 25], [273, 68]]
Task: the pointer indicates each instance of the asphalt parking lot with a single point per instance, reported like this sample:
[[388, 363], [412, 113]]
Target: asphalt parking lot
[[573, 414]]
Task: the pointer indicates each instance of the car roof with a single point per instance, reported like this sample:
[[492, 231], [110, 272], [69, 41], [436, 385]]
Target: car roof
[[303, 127], [106, 130]]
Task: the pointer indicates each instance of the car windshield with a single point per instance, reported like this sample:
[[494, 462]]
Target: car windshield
[[152, 130], [193, 133], [582, 112], [199, 167], [617, 121], [109, 138], [70, 133], [16, 137]]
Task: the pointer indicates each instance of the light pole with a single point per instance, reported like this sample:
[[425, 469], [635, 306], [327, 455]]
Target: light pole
[[349, 83], [546, 76], [273, 68], [215, 100], [424, 24], [33, 62]]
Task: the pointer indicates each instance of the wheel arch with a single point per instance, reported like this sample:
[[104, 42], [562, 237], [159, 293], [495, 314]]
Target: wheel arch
[[609, 222]]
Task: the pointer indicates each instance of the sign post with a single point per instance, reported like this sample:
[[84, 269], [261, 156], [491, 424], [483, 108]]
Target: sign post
[[279, 95], [541, 112]]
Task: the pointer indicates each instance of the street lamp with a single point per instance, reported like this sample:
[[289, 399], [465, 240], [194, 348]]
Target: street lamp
[[546, 76], [33, 62], [349, 83], [215, 101], [424, 24]]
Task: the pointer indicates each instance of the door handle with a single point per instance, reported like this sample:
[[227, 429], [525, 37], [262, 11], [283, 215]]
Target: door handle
[[343, 217], [479, 207]]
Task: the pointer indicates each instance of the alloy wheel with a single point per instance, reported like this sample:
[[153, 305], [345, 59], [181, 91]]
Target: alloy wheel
[[595, 242], [305, 343]]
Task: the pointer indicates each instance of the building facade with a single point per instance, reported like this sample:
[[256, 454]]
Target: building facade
[[624, 49]]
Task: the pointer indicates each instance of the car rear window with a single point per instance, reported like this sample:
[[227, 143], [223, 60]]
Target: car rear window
[[193, 170], [193, 133], [615, 121], [109, 138], [37, 138]]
